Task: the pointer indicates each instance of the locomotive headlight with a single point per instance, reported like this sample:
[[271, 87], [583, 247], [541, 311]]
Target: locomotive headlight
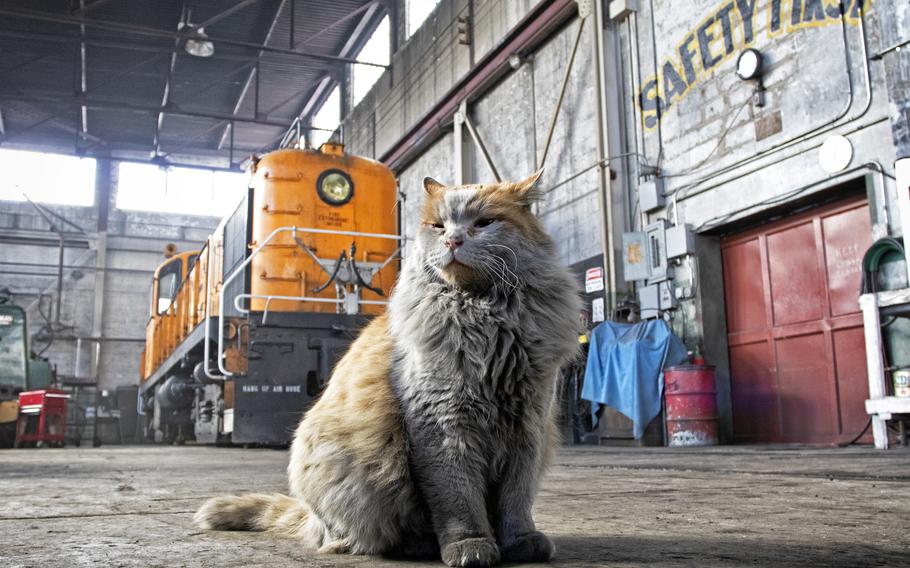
[[335, 187]]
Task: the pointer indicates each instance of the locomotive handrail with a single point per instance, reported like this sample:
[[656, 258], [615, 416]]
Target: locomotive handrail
[[224, 285], [208, 309], [238, 299]]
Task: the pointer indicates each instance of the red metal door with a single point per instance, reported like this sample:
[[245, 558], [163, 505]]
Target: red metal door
[[794, 331]]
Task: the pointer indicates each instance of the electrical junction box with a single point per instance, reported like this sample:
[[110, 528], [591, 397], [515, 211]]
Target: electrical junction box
[[635, 261], [619, 9], [649, 301], [666, 296], [680, 241], [651, 194]]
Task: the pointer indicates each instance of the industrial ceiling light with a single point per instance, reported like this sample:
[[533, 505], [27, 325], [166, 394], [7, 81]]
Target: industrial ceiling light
[[197, 45], [749, 68]]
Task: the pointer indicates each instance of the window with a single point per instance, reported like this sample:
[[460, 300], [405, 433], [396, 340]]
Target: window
[[145, 187], [169, 279], [47, 178], [12, 348], [418, 12], [376, 50], [328, 117]]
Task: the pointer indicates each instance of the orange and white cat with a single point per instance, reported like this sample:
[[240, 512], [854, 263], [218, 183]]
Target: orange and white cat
[[435, 427]]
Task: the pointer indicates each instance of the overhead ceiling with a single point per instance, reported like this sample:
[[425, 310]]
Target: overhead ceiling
[[112, 77]]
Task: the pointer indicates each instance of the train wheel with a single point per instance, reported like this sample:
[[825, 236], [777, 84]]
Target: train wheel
[[7, 434]]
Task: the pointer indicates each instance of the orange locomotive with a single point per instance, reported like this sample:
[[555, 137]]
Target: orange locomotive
[[244, 333]]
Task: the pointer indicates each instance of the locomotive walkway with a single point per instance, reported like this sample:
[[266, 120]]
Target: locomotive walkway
[[728, 506]]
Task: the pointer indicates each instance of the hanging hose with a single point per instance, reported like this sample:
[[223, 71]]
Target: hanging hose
[[858, 436], [872, 259]]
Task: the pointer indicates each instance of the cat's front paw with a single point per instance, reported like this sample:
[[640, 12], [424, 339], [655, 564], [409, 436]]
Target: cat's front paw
[[471, 552], [531, 547]]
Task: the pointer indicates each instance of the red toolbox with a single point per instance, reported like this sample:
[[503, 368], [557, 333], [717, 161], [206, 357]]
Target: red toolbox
[[42, 417]]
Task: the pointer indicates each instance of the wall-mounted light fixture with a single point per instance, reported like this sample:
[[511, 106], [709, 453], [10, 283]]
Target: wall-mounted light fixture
[[749, 68]]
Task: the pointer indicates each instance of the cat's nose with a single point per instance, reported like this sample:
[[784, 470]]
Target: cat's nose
[[454, 241]]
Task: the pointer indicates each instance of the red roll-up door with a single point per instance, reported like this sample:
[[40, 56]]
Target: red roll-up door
[[794, 330]]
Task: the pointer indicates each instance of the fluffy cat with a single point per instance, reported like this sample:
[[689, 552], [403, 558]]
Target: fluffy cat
[[432, 434]]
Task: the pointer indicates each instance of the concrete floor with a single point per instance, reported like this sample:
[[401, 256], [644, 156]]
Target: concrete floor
[[132, 506]]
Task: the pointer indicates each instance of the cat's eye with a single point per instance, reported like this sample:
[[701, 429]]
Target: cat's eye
[[485, 222], [437, 225]]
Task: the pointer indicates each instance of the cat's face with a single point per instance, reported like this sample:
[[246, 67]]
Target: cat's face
[[475, 236]]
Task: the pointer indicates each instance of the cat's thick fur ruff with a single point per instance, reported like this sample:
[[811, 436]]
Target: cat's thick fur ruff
[[433, 432]]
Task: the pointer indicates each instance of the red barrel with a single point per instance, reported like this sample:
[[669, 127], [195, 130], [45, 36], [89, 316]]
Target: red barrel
[[691, 397]]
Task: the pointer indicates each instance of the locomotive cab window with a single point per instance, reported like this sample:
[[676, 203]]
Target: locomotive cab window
[[168, 281]]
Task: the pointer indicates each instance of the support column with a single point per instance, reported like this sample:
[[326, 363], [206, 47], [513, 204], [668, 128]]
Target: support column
[[462, 147], [604, 182], [875, 365], [103, 194]]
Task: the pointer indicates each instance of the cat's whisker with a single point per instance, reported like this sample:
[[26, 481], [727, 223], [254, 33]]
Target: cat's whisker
[[508, 248], [497, 266]]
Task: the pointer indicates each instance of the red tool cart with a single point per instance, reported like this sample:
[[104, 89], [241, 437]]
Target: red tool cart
[[42, 417]]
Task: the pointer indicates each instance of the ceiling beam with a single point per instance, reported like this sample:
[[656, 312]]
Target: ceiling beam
[[322, 91], [97, 104], [106, 44], [226, 13], [83, 9], [144, 31], [168, 79], [254, 74], [336, 23], [83, 76]]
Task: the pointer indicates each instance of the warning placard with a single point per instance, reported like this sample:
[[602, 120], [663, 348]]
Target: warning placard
[[594, 280]]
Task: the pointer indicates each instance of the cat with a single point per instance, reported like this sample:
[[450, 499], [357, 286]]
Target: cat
[[433, 432]]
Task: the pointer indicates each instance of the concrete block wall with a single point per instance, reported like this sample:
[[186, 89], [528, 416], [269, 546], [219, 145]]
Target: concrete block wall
[[722, 156], [135, 245], [425, 68], [891, 22], [512, 118], [815, 75]]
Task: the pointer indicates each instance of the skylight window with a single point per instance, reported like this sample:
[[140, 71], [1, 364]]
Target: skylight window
[[376, 50], [418, 12], [47, 178], [145, 187], [328, 118]]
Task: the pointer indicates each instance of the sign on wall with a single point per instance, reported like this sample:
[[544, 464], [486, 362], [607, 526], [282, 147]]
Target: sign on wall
[[724, 32]]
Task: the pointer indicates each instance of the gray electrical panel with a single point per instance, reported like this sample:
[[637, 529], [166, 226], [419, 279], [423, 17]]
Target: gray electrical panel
[[680, 241], [644, 254], [635, 260], [656, 234]]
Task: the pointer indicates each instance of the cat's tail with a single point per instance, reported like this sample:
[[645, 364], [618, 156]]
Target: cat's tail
[[253, 512]]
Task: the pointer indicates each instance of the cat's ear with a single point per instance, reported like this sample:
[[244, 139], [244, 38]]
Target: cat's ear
[[526, 190], [432, 186]]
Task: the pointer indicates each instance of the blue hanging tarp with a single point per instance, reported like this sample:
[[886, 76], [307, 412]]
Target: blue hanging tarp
[[624, 368]]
